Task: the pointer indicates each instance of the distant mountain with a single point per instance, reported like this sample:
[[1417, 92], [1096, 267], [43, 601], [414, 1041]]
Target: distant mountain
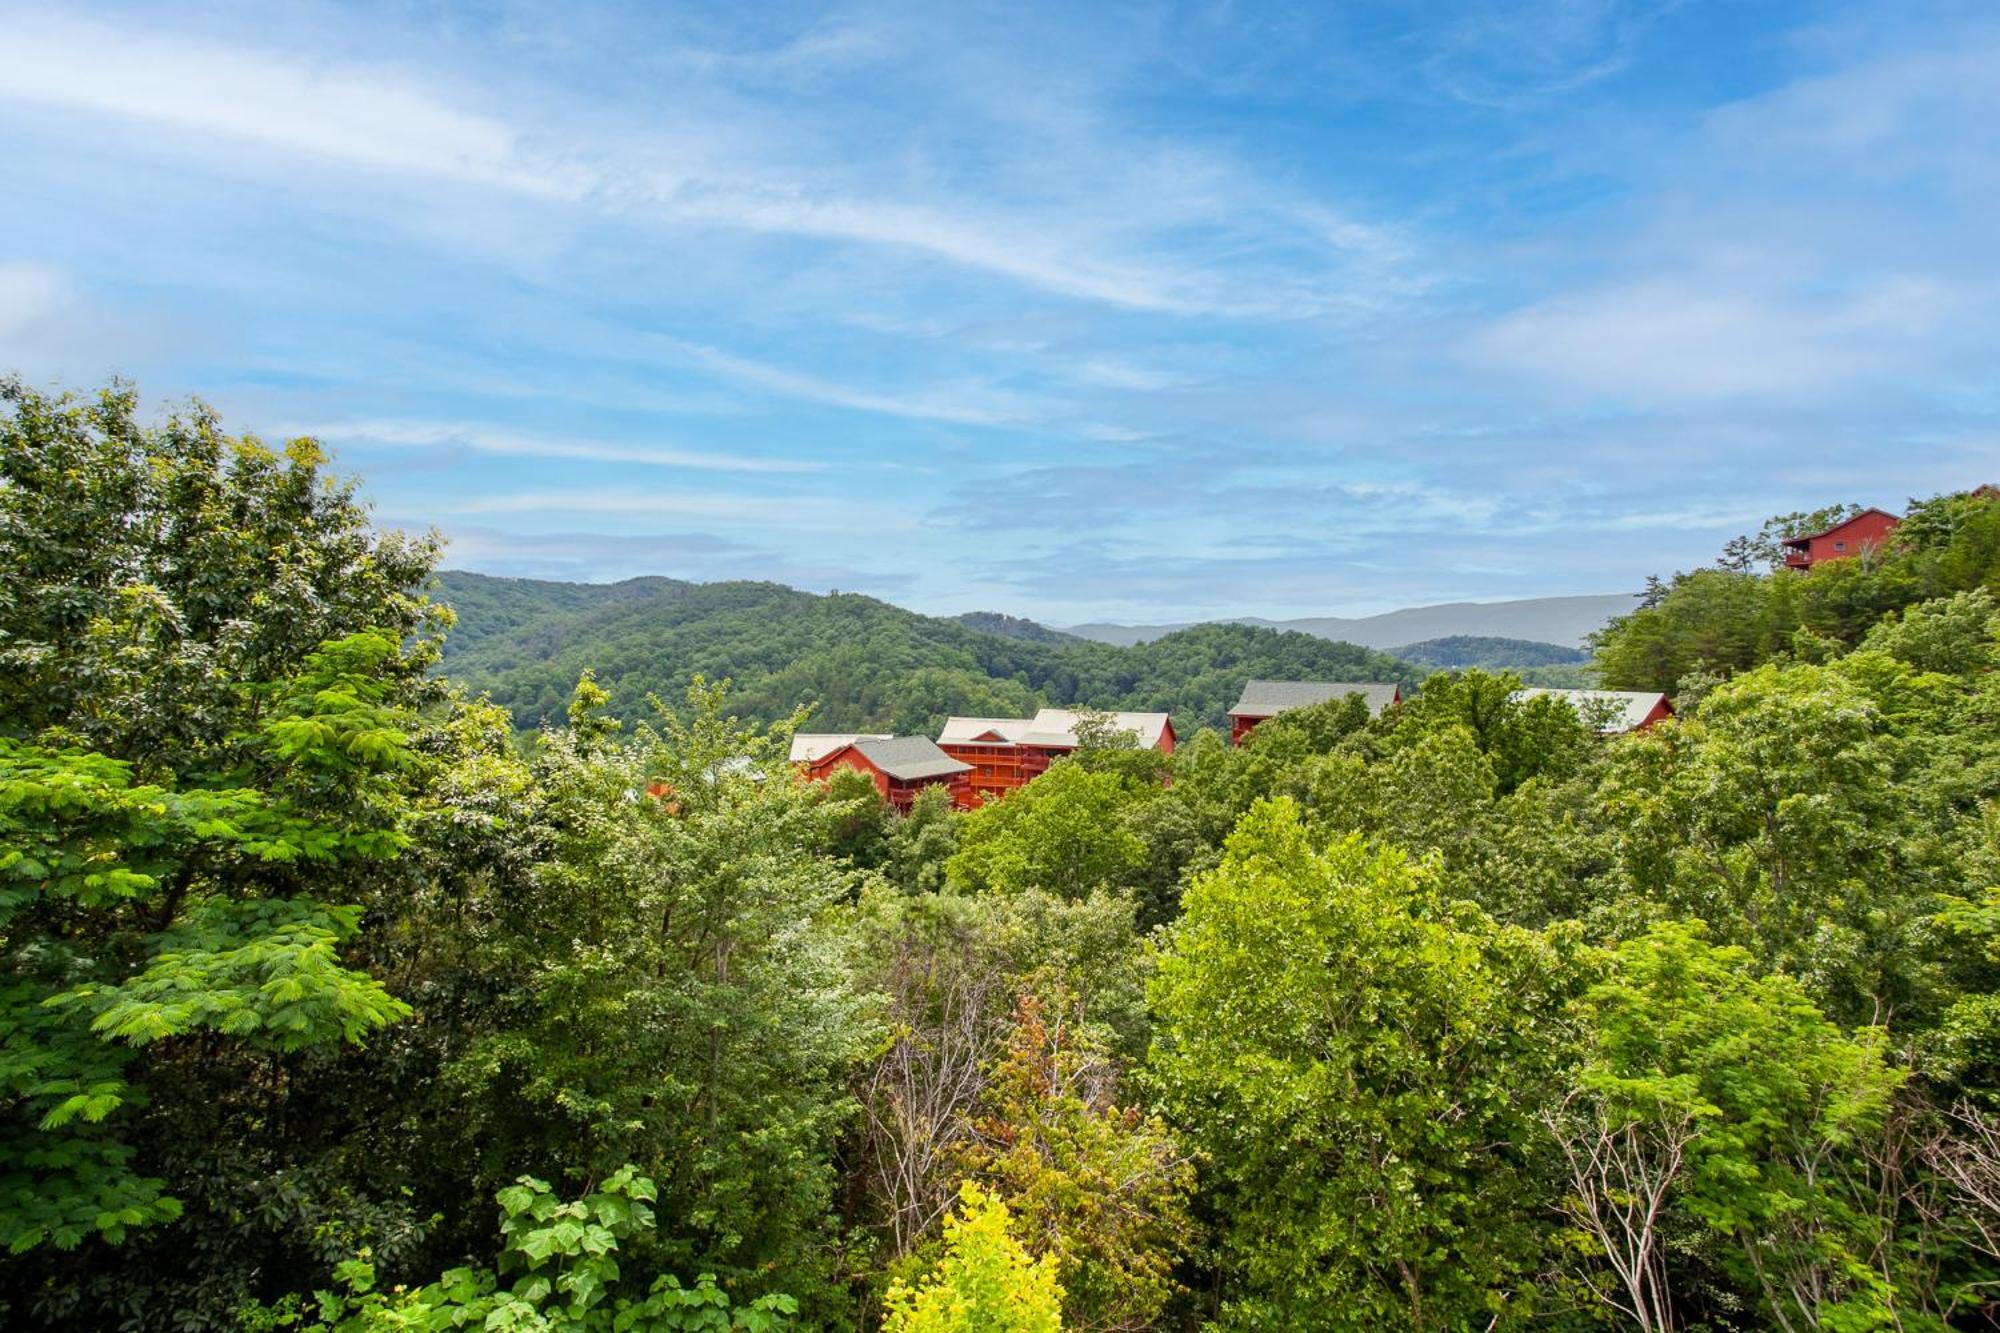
[[1012, 627], [863, 664], [1558, 620], [1489, 654]]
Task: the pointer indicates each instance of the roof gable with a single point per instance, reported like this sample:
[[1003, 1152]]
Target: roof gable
[[1055, 728], [1268, 698], [984, 730], [809, 747]]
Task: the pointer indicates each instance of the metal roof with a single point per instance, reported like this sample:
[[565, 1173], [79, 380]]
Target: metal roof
[[908, 758], [810, 746], [1056, 727], [1621, 710], [1268, 698], [969, 730]]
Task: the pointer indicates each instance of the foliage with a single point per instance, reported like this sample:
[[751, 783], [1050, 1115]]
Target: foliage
[[1061, 833], [567, 1277], [1766, 1095], [1722, 621], [670, 992], [867, 666], [1103, 1188], [985, 1283], [1460, 651], [1460, 1016], [1345, 1048]]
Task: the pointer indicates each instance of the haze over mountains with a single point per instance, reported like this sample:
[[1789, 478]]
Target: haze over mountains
[[1562, 620]]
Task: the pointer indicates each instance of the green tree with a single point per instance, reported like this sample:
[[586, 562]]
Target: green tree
[[671, 990], [1753, 1114], [1063, 832], [210, 665], [1348, 1049]]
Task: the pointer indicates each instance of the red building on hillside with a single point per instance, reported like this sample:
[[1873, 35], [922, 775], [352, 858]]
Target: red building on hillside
[[1867, 530], [1006, 753], [902, 766]]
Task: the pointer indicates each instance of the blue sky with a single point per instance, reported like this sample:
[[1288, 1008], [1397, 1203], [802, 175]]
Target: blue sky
[[1145, 312]]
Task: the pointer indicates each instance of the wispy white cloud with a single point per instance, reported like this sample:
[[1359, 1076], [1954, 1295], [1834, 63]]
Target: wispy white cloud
[[1702, 336], [1119, 240], [779, 513], [371, 118], [500, 440], [972, 403]]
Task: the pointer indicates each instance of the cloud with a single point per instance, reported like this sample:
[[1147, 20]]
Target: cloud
[[29, 293], [1121, 234], [370, 118], [1504, 53], [500, 440], [779, 513], [971, 404], [1698, 336]]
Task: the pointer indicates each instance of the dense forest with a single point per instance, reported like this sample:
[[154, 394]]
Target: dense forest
[[861, 663], [326, 1002], [1535, 663]]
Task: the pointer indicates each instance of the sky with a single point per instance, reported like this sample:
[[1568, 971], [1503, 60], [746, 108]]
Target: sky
[[1144, 312]]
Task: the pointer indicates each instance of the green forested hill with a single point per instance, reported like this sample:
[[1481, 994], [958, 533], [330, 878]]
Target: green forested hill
[[863, 662], [1535, 662]]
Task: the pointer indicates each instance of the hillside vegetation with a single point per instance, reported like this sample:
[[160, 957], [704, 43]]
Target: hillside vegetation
[[1535, 663], [329, 1004], [864, 663], [1747, 609]]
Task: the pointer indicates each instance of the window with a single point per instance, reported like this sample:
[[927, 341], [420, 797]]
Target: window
[[1840, 546]]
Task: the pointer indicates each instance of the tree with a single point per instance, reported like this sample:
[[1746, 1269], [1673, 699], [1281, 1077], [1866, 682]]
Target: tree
[[670, 989], [1102, 1187], [1064, 832], [948, 968], [1348, 1050], [1730, 1090], [151, 573], [985, 1283]]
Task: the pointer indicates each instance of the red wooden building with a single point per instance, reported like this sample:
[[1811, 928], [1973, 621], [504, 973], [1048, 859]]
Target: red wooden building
[[1267, 698], [902, 766], [1009, 752], [1867, 530]]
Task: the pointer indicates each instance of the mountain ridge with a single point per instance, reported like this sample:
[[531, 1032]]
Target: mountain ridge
[[1566, 621], [864, 663]]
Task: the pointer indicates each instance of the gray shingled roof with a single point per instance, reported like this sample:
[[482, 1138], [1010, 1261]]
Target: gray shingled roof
[[907, 758], [1268, 698]]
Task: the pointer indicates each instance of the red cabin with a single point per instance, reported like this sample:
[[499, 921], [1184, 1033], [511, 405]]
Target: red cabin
[[1268, 698], [1006, 753], [1866, 531], [902, 766]]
